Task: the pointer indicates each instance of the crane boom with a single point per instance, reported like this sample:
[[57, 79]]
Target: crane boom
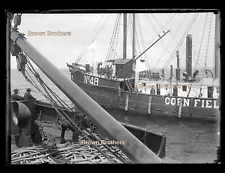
[[133, 148]]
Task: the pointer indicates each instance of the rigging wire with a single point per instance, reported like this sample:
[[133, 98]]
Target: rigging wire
[[201, 41], [179, 44], [172, 37], [171, 33], [130, 24], [100, 28], [163, 27], [142, 41], [205, 59], [64, 115], [112, 41], [60, 112], [166, 47], [117, 36], [34, 72], [29, 66], [208, 41]]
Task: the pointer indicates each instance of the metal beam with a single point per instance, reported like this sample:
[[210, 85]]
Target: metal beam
[[133, 148]]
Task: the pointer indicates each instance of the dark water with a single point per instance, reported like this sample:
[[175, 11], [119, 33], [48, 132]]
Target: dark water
[[187, 141]]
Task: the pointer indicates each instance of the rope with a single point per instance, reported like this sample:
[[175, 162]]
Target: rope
[[63, 104], [111, 44], [207, 50], [142, 42], [58, 111], [171, 57], [170, 33], [101, 26], [205, 59], [52, 101], [163, 27], [200, 49], [172, 37], [117, 36], [208, 41], [65, 117], [156, 33], [201, 41]]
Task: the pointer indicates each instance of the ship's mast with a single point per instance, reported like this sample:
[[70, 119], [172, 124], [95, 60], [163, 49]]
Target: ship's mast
[[133, 55], [133, 50], [124, 35], [217, 47]]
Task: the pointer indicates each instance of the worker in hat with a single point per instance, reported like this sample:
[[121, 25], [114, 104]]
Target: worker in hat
[[15, 96], [28, 96], [30, 103], [83, 124]]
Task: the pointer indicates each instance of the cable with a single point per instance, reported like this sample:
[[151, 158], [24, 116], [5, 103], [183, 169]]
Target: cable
[[171, 40], [142, 42], [101, 26], [112, 38], [205, 58], [201, 41], [60, 112], [171, 57]]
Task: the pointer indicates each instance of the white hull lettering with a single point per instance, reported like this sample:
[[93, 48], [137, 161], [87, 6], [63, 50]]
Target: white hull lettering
[[178, 101], [208, 104], [203, 103], [196, 102], [91, 80], [186, 102], [167, 100], [216, 105], [173, 101], [86, 79]]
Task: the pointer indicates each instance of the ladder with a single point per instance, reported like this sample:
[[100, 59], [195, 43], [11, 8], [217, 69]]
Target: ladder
[[129, 86]]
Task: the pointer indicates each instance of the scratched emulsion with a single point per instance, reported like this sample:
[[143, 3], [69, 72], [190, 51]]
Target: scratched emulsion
[[187, 141]]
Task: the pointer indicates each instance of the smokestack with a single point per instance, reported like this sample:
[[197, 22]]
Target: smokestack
[[178, 67], [189, 55], [171, 72]]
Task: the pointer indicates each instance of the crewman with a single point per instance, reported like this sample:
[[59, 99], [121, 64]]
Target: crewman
[[28, 96], [175, 91], [83, 124], [152, 92], [31, 103], [15, 96], [158, 90]]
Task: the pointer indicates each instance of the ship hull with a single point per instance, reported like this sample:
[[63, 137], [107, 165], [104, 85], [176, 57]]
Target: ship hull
[[145, 104]]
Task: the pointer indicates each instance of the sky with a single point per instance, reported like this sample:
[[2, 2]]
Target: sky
[[83, 28]]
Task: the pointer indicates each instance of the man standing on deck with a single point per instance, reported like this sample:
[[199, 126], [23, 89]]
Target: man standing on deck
[[28, 96], [31, 103], [15, 96], [152, 92]]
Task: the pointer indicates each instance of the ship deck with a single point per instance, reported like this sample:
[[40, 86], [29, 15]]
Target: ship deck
[[55, 132]]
